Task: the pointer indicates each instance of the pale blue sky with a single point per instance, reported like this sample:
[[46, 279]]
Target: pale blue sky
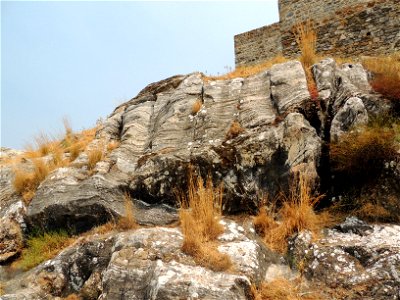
[[81, 59]]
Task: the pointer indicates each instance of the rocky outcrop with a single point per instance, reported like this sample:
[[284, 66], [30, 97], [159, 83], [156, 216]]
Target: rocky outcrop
[[352, 256]]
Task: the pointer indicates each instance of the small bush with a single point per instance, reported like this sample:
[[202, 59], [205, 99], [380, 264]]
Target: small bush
[[386, 74], [363, 152], [234, 130], [41, 247], [200, 214]]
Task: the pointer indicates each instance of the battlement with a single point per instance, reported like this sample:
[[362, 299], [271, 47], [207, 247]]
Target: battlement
[[344, 28]]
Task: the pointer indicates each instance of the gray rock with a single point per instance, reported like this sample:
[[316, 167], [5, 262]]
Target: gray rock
[[352, 114], [10, 239]]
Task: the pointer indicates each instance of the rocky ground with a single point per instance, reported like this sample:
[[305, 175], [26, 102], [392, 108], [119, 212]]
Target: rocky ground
[[252, 134]]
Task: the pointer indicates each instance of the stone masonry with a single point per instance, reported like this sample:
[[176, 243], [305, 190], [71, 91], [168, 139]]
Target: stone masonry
[[344, 28]]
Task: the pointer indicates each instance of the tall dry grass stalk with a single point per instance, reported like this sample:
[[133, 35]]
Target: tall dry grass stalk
[[200, 216], [306, 39]]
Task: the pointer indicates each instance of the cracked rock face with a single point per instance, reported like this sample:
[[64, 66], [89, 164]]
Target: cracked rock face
[[359, 255], [161, 135]]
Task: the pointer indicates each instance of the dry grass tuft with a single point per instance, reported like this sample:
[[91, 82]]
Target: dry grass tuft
[[296, 214], [94, 156], [128, 221], [386, 71], [283, 289], [234, 130], [72, 297], [196, 106], [247, 71], [200, 214], [26, 182]]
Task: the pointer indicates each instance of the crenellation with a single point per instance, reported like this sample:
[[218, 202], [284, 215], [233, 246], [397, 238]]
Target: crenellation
[[343, 27]]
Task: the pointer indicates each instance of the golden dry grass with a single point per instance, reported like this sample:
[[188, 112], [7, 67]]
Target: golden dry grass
[[283, 289], [247, 71], [72, 297], [94, 156], [199, 216], [296, 214], [234, 130], [386, 71], [26, 182]]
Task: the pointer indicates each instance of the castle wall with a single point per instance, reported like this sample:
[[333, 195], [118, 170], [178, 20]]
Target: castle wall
[[344, 28], [257, 45], [367, 28]]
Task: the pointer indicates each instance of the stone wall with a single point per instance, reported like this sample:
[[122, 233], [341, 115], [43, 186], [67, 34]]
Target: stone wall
[[344, 28], [257, 45]]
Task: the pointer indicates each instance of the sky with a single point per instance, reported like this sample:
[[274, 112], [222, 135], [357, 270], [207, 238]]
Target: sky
[[79, 60]]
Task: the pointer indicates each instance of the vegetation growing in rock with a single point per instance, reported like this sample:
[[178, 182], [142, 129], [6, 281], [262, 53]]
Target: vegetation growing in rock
[[386, 74], [41, 247], [294, 215], [48, 155], [306, 39], [94, 156], [200, 216], [362, 152]]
